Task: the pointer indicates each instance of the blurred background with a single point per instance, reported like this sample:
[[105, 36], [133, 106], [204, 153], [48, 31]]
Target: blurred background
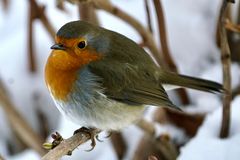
[[183, 34]]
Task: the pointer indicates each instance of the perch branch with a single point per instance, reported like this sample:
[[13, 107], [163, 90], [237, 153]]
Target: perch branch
[[68, 145], [226, 61], [19, 125]]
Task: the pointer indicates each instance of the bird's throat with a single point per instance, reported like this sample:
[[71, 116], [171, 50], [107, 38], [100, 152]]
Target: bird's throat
[[59, 82], [62, 68]]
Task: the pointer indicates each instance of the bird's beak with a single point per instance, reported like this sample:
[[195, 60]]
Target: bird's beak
[[58, 47]]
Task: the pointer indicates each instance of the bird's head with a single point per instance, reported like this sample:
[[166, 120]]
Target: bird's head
[[77, 43]]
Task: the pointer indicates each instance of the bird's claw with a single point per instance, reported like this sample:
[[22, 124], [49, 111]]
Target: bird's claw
[[91, 133], [98, 139], [109, 134]]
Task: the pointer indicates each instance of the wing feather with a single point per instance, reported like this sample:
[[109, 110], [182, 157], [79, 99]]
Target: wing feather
[[129, 83]]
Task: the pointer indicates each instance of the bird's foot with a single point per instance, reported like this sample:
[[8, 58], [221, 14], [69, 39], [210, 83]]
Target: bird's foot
[[57, 139], [109, 134], [91, 132]]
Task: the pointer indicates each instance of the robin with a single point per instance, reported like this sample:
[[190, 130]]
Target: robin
[[101, 79]]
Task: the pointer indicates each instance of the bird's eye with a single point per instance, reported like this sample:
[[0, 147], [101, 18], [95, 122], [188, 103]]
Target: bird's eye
[[82, 44]]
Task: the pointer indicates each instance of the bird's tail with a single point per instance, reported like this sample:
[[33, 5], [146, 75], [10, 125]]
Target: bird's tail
[[171, 78]]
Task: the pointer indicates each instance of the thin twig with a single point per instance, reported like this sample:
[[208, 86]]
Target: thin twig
[[39, 12], [5, 5], [232, 27], [148, 15], [87, 13], [236, 92], [145, 148], [161, 146], [165, 49], [147, 127], [1, 157], [31, 54], [189, 122], [119, 144], [226, 61], [163, 35], [19, 124], [60, 5], [152, 158], [68, 145], [238, 14], [228, 16]]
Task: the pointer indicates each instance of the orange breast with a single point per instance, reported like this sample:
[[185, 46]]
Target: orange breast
[[61, 71], [59, 82]]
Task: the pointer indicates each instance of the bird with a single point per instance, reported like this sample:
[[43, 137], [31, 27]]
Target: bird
[[99, 78]]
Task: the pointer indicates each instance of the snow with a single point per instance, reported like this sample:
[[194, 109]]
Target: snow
[[28, 154], [207, 144], [191, 37]]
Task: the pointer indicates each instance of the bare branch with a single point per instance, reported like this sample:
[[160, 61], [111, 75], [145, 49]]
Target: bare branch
[[161, 146], [163, 35], [150, 145], [165, 49], [68, 145], [236, 92], [226, 61], [31, 54], [232, 27], [148, 15], [147, 127], [1, 157], [119, 144], [5, 5], [238, 15], [152, 158], [39, 12], [60, 5], [18, 123], [87, 13]]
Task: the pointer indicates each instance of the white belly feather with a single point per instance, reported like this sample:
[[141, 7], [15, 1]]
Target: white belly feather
[[104, 114]]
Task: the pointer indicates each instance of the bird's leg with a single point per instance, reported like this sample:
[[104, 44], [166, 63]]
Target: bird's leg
[[89, 131]]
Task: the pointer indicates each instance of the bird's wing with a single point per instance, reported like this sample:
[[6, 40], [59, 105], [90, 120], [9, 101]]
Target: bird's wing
[[129, 83]]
